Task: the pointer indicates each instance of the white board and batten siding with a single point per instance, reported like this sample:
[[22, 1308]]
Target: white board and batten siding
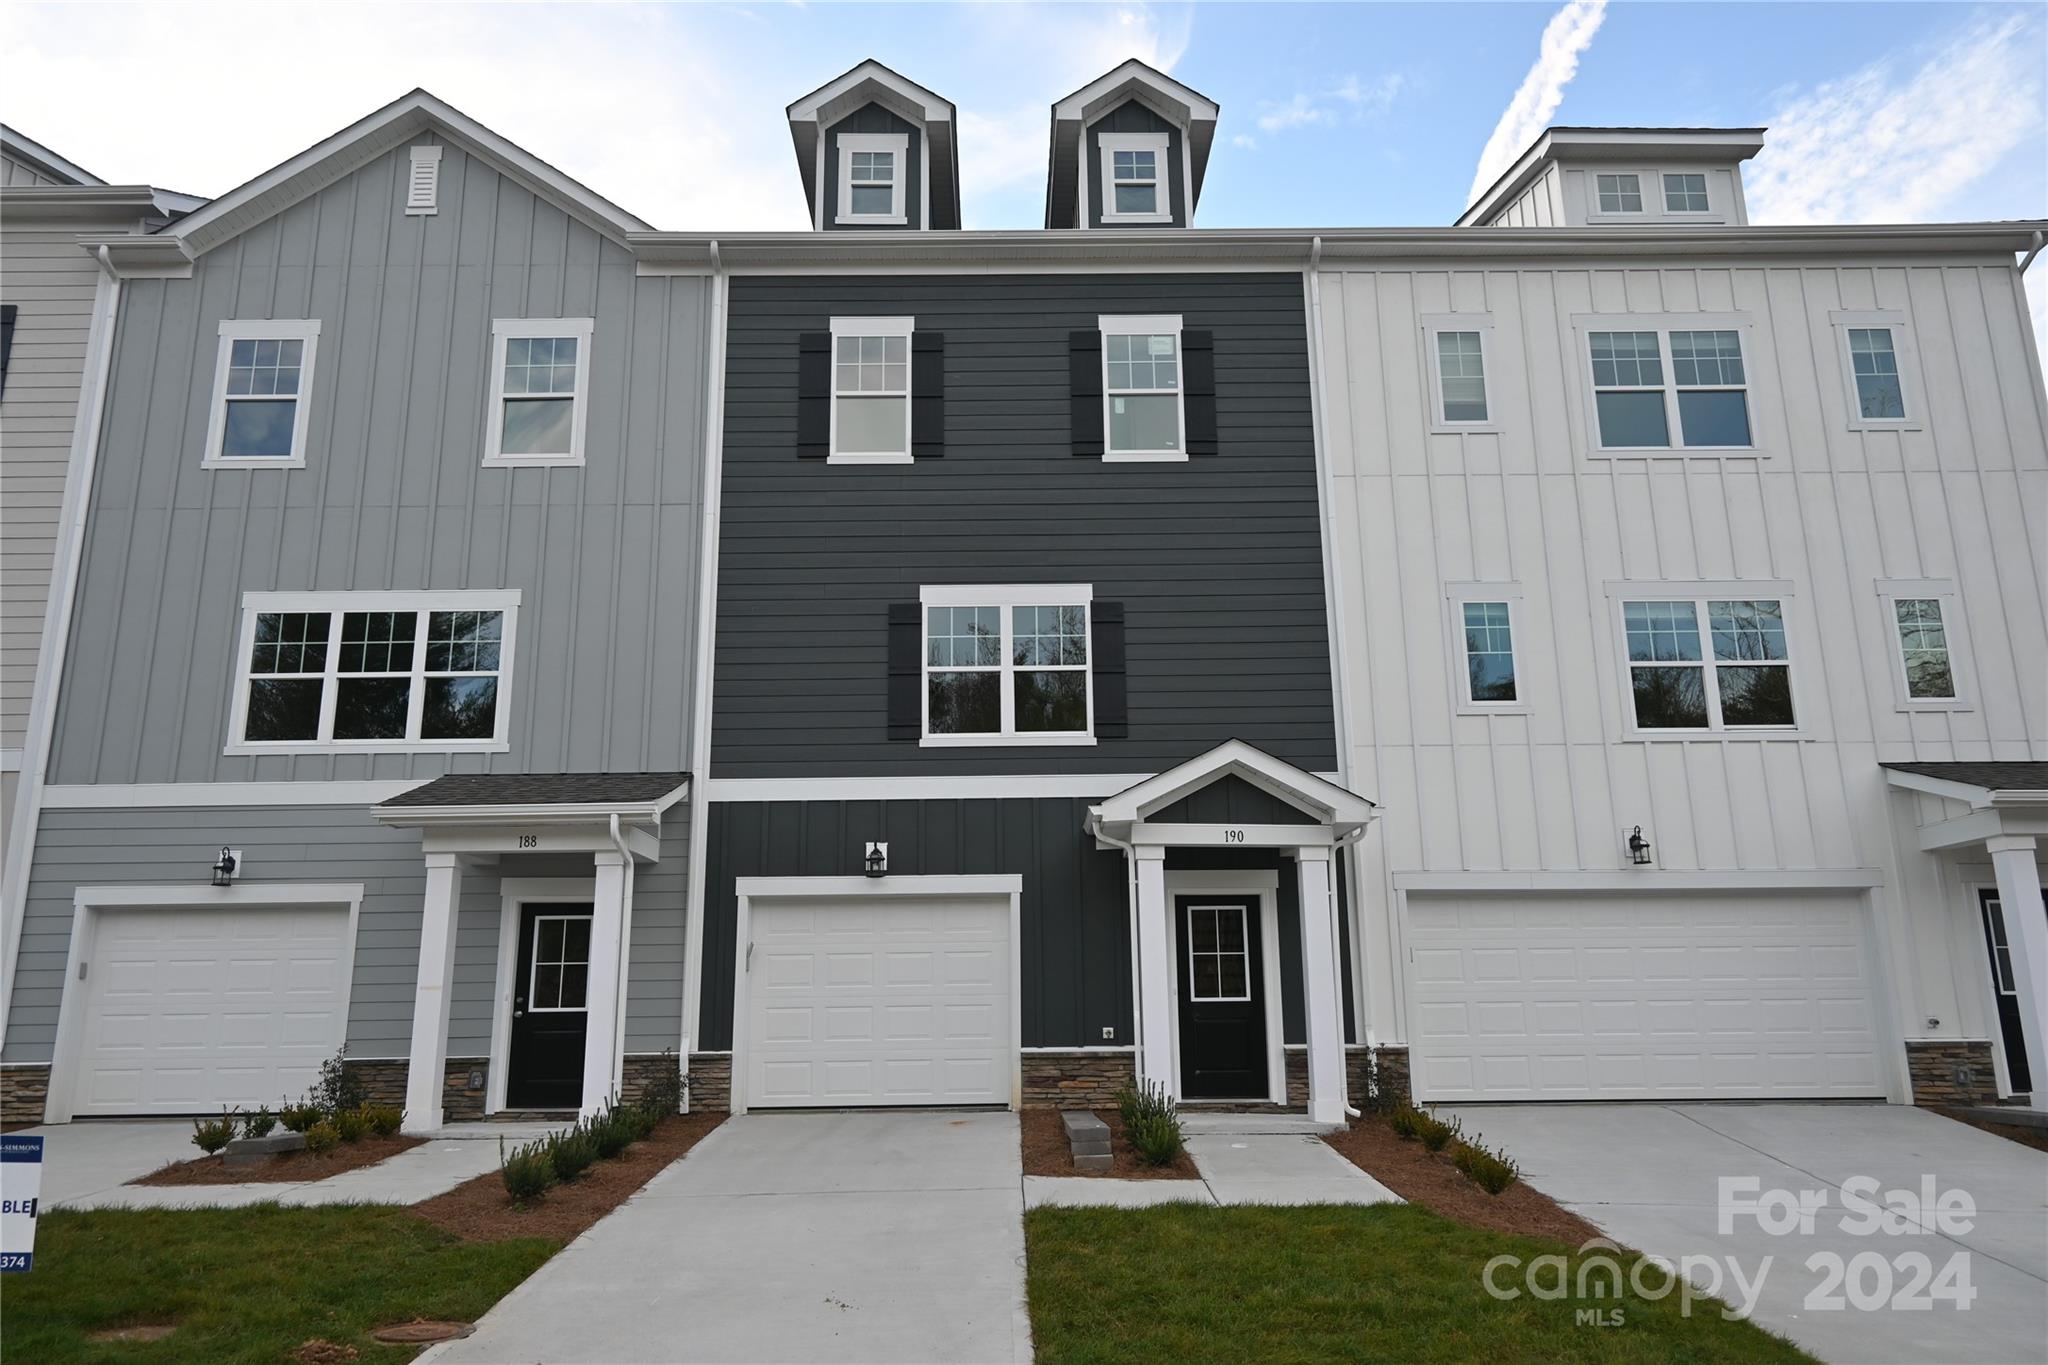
[[1823, 512]]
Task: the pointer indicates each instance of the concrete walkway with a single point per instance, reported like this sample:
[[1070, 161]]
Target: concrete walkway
[[845, 1237], [1238, 1165], [1649, 1176]]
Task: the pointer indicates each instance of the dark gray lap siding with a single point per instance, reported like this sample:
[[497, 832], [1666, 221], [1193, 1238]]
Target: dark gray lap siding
[[1218, 560], [1075, 914]]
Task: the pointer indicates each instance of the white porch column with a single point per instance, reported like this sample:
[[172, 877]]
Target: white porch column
[[607, 934], [1155, 970], [2026, 934], [428, 1061], [1320, 990]]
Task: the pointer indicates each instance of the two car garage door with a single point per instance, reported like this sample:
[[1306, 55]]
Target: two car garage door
[[1694, 996]]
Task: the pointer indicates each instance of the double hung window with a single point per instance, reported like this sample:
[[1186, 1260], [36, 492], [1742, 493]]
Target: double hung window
[[1718, 664], [873, 179], [1142, 389], [540, 370], [1697, 399], [871, 390], [1134, 171], [1006, 665], [262, 389]]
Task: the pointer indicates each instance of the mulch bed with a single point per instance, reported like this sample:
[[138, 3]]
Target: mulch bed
[[1428, 1178], [292, 1167], [2024, 1135], [1047, 1151], [479, 1210]]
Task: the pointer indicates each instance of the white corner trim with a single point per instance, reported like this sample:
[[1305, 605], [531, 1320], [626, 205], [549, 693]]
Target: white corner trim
[[896, 143], [306, 330], [504, 330]]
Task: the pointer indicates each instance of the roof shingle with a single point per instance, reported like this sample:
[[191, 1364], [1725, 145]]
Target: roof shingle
[[1998, 777], [540, 789]]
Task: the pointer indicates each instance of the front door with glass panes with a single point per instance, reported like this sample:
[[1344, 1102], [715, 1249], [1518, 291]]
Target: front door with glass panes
[[550, 1019], [1222, 1000]]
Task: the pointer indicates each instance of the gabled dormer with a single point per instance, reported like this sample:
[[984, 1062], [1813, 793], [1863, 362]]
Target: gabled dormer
[[877, 151], [1129, 150], [1622, 177]]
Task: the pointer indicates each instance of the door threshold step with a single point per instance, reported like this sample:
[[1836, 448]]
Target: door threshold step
[[1237, 1125]]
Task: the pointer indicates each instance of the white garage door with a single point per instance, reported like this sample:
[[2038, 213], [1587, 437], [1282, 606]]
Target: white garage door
[[1616, 998], [192, 1010], [879, 1001]]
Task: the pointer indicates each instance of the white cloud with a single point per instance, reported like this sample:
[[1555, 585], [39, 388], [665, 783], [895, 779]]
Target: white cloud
[[1244, 141], [1565, 37], [1349, 99], [1878, 147]]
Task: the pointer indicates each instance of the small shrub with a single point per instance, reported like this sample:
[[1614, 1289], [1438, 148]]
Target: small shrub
[[351, 1124], [1435, 1133], [614, 1130], [663, 1093], [529, 1172], [297, 1118], [258, 1124], [1491, 1170], [338, 1088], [210, 1135], [1403, 1121], [572, 1152], [384, 1119], [322, 1137], [1151, 1123]]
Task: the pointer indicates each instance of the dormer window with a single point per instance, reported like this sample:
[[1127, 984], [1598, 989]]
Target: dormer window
[[1134, 178], [1621, 193], [1685, 192], [871, 178]]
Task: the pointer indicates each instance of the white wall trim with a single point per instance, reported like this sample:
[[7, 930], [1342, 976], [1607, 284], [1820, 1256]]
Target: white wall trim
[[1265, 884], [56, 637], [88, 901], [514, 893], [1646, 882], [937, 788], [1007, 886], [306, 330], [176, 795]]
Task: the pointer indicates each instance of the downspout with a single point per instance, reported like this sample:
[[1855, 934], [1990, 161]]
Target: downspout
[[1094, 827], [1336, 931], [625, 957], [2040, 238], [42, 718]]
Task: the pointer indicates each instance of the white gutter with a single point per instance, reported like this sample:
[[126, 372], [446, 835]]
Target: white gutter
[[2033, 251], [701, 665], [42, 711]]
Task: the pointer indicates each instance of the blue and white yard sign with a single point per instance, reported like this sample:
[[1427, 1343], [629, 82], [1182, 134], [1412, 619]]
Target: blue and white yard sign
[[21, 1182]]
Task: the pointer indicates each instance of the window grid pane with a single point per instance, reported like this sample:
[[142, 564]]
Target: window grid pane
[[1707, 359], [1923, 643], [1747, 630], [1620, 194], [1143, 364], [1219, 954], [543, 367], [1489, 652], [871, 365], [263, 368], [1685, 193], [1626, 360], [1043, 678], [1879, 394], [1461, 371]]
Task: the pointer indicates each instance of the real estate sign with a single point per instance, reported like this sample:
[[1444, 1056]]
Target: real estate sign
[[21, 1183]]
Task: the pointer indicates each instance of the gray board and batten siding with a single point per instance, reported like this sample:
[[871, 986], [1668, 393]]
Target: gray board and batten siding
[[393, 495], [1133, 117], [873, 118], [1074, 931], [1217, 560], [174, 847]]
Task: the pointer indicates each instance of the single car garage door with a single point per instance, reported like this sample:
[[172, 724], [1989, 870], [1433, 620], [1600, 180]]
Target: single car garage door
[[193, 1010], [1590, 997], [878, 1001]]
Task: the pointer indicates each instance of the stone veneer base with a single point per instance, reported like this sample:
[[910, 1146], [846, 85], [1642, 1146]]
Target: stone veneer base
[[24, 1090], [1945, 1073]]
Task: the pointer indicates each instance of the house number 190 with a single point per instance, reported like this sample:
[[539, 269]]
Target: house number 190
[[1233, 836]]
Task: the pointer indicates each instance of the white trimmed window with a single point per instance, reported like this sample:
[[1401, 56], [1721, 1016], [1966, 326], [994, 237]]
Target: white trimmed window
[[334, 672], [1457, 344], [1685, 192], [1007, 665], [1144, 415], [1134, 171], [871, 390], [1668, 388], [1707, 664], [262, 389], [1924, 631], [1619, 192], [1879, 369], [540, 383], [1219, 953], [872, 179], [1489, 642]]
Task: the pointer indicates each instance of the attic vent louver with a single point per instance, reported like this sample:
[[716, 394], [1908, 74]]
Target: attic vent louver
[[423, 189]]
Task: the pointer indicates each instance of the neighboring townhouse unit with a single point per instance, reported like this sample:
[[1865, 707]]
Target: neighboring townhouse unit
[[1689, 585], [373, 722], [54, 306]]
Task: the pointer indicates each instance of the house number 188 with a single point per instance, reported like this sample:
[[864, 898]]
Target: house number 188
[[529, 841]]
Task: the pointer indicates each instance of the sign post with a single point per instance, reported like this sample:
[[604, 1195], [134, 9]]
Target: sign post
[[21, 1184]]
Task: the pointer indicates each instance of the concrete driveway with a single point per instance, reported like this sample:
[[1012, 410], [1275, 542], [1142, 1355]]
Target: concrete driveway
[[792, 1238], [1650, 1177]]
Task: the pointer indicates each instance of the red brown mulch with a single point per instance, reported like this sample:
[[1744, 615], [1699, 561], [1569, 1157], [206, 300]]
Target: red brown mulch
[[1428, 1178], [295, 1167], [2025, 1136], [1047, 1151], [479, 1210]]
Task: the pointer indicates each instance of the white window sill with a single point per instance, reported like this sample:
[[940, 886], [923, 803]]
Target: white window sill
[[1939, 704], [869, 457], [1003, 741], [1494, 708], [1678, 453], [531, 461], [1441, 428], [871, 220], [1879, 424], [1144, 456], [287, 748], [1108, 218], [1741, 732], [254, 462]]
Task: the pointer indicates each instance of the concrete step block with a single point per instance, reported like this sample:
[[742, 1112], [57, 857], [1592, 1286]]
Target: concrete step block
[[1102, 1161]]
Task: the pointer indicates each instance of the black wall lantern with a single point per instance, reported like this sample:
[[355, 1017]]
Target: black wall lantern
[[224, 870], [1638, 848], [876, 863]]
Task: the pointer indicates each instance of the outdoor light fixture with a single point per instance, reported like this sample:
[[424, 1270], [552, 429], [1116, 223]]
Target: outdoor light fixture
[[877, 861], [224, 870], [1638, 848]]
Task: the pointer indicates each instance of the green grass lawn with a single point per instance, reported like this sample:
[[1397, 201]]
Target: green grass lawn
[[249, 1284], [1183, 1282]]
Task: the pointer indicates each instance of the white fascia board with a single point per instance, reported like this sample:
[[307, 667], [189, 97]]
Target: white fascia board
[[778, 888], [1947, 788], [25, 148], [1134, 75], [1274, 776], [1588, 144], [423, 817], [1647, 883], [812, 107], [222, 795]]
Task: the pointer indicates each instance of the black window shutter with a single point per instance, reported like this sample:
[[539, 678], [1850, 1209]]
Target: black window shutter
[[927, 395], [1198, 350], [1106, 635], [1084, 370], [906, 670], [813, 395], [7, 311]]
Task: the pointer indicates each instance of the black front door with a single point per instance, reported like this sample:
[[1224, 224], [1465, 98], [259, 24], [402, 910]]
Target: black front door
[[1222, 999], [549, 1018], [2005, 994]]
